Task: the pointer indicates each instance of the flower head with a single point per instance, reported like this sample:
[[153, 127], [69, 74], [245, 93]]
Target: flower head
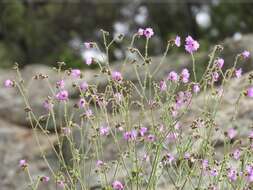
[[8, 83], [60, 84], [23, 163], [172, 76], [88, 60], [62, 95], [60, 184], [148, 32], [191, 45], [185, 75], [82, 103], [178, 41], [215, 76], [143, 130], [84, 86], [45, 179], [196, 88], [232, 174], [117, 185], [231, 133], [214, 172], [104, 131], [237, 154], [99, 163], [220, 63], [130, 135], [140, 32], [250, 92], [238, 73], [116, 76], [163, 85], [245, 54], [88, 45], [76, 73]]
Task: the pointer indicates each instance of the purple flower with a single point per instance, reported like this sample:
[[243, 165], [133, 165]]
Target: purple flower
[[99, 163], [150, 138], [191, 45], [196, 88], [205, 164], [62, 95], [251, 135], [215, 76], [8, 83], [140, 32], [88, 45], [172, 76], [163, 86], [60, 84], [237, 154], [250, 92], [231, 133], [117, 185], [84, 86], [130, 135], [45, 179], [187, 156], [245, 54], [23, 163], [143, 130], [178, 41], [148, 32], [238, 73], [169, 158], [75, 73], [220, 63], [104, 131], [88, 60], [249, 172], [232, 174], [214, 172], [185, 75], [172, 136], [82, 103], [60, 184], [117, 76]]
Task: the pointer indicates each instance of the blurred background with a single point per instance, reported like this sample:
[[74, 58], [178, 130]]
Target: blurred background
[[47, 31]]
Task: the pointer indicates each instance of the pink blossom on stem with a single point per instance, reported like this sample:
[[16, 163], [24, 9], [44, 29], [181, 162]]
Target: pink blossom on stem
[[191, 45], [220, 63], [172, 76], [143, 131], [76, 73], [117, 185], [116, 76], [231, 133], [82, 103], [130, 135], [250, 92], [45, 179], [8, 83], [162, 85], [245, 54], [237, 154], [104, 131], [238, 73], [185, 75], [62, 95], [196, 88], [84, 86], [60, 84], [88, 60], [232, 174], [178, 41], [140, 32], [148, 32], [23, 163]]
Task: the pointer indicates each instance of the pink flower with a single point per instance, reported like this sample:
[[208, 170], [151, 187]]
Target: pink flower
[[238, 73], [148, 32], [62, 95], [191, 45], [196, 88], [140, 32], [45, 179], [117, 185], [220, 63], [88, 60], [143, 130], [185, 75], [150, 138], [232, 174], [205, 164], [250, 92], [169, 158], [251, 135], [47, 105], [172, 136], [88, 45], [104, 131], [117, 76], [187, 156], [249, 172], [178, 41], [214, 172], [231, 133], [60, 184], [60, 84], [82, 103], [8, 83], [130, 135], [76, 73], [237, 154], [84, 86], [246, 54], [163, 86], [172, 76], [23, 163], [99, 163], [215, 76]]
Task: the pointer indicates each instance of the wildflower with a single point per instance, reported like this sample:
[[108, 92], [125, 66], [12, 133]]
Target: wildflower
[[178, 41], [60, 184], [187, 156], [163, 85], [214, 172], [82, 103], [250, 92], [140, 32], [84, 86], [60, 84], [76, 73], [117, 185], [45, 179], [145, 157], [172, 136], [185, 75], [99, 163], [118, 97], [151, 138], [237, 154], [48, 105], [8, 83], [66, 131], [191, 45], [88, 60], [196, 88], [232, 174], [117, 76], [249, 173], [23, 163], [177, 126], [148, 32], [205, 164], [88, 45], [238, 73], [130, 135], [231, 133], [143, 130], [215, 76], [251, 135], [62, 95], [104, 131], [169, 158], [220, 63], [88, 113], [245, 54], [172, 76]]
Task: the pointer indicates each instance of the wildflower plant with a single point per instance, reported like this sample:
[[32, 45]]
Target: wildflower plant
[[144, 123]]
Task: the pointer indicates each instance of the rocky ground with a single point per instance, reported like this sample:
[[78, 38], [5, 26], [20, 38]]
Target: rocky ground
[[18, 142]]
